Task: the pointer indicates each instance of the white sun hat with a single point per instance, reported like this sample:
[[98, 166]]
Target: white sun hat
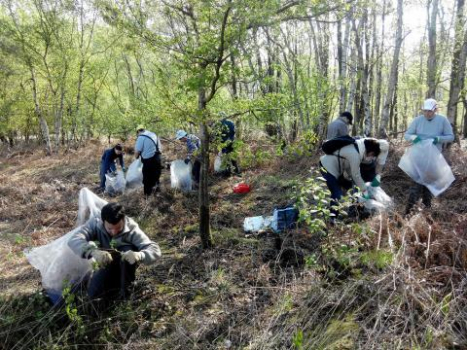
[[180, 134], [430, 104]]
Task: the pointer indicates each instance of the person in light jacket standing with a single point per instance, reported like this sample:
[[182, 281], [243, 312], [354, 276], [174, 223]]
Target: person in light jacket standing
[[429, 125], [149, 147]]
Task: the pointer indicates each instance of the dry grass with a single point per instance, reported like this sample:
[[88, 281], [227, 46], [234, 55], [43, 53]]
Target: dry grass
[[246, 293]]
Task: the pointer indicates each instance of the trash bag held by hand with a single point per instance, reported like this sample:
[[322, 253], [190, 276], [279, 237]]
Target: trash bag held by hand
[[425, 164], [180, 175], [134, 175], [57, 263], [115, 184]]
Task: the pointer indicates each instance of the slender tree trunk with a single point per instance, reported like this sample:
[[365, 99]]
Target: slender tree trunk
[[38, 112], [458, 65], [204, 215], [342, 48], [393, 75], [379, 75], [432, 69], [464, 131]]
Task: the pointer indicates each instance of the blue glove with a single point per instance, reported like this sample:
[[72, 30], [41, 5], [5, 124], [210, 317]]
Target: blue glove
[[416, 139], [187, 160], [376, 181], [436, 140], [123, 169]]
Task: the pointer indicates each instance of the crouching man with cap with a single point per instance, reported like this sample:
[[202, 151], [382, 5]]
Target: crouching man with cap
[[118, 245]]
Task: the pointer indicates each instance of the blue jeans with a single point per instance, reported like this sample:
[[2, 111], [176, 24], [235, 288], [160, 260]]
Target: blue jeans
[[104, 170], [333, 185]]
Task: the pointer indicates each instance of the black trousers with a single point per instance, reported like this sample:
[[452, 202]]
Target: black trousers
[[113, 280], [416, 192], [196, 170], [151, 173]]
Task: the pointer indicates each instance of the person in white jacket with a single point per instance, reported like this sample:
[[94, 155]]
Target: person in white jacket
[[341, 170]]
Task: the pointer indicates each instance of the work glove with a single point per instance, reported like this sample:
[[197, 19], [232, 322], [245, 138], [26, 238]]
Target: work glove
[[103, 258], [132, 257], [123, 169], [376, 181], [187, 161], [415, 139], [436, 140], [366, 194]]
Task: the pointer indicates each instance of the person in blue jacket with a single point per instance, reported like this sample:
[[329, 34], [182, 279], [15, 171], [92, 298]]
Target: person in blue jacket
[[108, 161]]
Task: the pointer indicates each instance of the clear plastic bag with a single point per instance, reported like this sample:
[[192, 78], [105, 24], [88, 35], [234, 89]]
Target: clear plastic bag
[[258, 223], [219, 163], [425, 164], [115, 183], [180, 175], [57, 263], [134, 175], [379, 200]]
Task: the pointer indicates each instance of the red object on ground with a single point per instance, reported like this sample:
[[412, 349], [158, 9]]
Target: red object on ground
[[241, 188]]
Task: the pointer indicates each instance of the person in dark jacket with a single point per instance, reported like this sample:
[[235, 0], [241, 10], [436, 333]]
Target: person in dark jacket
[[108, 162], [121, 247], [227, 137], [340, 126]]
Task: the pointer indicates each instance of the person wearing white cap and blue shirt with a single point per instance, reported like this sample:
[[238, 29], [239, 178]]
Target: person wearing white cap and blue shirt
[[193, 144], [149, 147], [429, 125]]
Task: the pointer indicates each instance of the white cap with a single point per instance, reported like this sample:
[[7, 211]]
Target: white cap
[[180, 134], [430, 104]]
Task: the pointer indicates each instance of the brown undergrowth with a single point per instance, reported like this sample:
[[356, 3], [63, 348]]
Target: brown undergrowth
[[390, 282]]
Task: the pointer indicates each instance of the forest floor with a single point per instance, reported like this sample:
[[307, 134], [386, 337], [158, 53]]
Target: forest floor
[[387, 282]]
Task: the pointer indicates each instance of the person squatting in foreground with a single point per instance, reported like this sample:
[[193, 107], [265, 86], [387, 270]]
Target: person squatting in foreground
[[121, 246]]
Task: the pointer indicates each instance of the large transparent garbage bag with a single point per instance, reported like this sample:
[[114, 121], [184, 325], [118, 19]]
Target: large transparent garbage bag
[[134, 175], [57, 263], [180, 175], [425, 164], [115, 183], [379, 200]]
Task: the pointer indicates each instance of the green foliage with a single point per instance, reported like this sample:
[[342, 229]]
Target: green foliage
[[298, 339], [71, 309], [313, 204], [377, 258], [305, 147]]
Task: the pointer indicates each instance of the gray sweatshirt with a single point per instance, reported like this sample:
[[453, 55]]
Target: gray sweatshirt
[[427, 129], [338, 127], [132, 237]]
